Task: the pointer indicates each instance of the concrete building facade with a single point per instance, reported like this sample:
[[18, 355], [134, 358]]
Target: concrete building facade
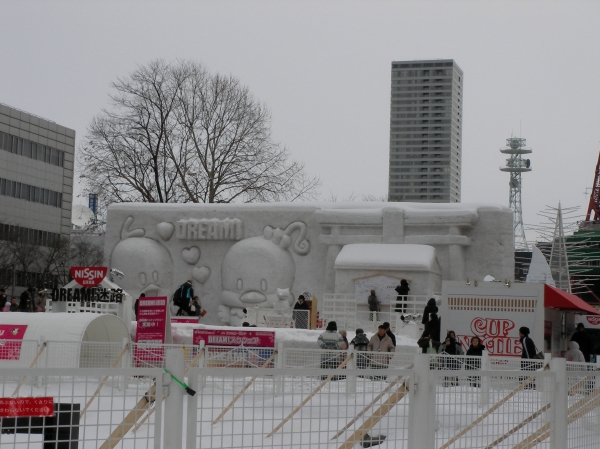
[[426, 131], [36, 177]]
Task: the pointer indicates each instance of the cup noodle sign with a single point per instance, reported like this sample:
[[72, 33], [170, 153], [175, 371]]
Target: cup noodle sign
[[499, 336], [591, 321]]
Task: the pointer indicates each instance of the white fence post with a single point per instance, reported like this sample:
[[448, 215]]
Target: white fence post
[[174, 400], [350, 367], [192, 410], [485, 380], [125, 363], [558, 432], [420, 433], [279, 363]]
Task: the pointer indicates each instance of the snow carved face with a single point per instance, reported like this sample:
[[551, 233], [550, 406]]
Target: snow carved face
[[252, 270], [147, 266]]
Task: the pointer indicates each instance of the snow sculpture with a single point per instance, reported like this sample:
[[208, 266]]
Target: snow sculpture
[[254, 268], [284, 296], [146, 264]]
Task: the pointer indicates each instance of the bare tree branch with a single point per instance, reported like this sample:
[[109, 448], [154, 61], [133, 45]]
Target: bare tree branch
[[176, 133]]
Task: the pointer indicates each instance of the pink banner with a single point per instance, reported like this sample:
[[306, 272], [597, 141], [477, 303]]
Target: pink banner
[[14, 333], [151, 330], [250, 339]]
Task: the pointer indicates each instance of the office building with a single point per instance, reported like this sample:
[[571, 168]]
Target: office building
[[36, 180], [426, 131]]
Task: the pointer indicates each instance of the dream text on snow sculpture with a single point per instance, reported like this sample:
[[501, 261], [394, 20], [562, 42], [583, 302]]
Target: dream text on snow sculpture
[[254, 268]]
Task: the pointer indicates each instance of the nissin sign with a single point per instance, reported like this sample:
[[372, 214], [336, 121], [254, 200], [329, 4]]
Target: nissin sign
[[88, 276]]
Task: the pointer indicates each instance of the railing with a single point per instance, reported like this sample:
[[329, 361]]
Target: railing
[[425, 402], [350, 314], [87, 307]]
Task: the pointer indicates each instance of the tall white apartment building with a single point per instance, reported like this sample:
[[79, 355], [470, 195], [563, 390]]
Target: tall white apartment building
[[36, 180], [426, 131]]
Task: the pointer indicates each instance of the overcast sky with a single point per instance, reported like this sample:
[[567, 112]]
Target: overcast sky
[[323, 68]]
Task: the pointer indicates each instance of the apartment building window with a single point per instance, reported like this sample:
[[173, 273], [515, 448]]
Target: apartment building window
[[27, 192], [31, 150]]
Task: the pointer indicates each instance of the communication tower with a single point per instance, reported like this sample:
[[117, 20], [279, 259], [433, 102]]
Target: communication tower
[[516, 165]]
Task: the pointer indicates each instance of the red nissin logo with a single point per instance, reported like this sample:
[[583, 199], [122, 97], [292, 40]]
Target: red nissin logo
[[88, 276], [595, 320]]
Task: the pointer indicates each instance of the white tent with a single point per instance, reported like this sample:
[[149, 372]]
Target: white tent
[[75, 339]]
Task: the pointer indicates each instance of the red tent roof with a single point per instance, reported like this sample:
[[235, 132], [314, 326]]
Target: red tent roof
[[553, 297]]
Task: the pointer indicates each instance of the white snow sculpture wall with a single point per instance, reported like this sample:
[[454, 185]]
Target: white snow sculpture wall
[[237, 255]]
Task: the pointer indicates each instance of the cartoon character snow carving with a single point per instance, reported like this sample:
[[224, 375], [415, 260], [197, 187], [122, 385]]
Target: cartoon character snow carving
[[254, 268], [146, 264]]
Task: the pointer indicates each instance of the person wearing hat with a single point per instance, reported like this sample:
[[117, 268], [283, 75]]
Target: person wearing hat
[[301, 318], [584, 341], [6, 307]]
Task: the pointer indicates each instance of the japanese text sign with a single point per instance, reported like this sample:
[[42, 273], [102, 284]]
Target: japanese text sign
[[251, 339], [16, 407]]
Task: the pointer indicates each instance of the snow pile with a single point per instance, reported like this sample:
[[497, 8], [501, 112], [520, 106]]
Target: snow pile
[[390, 256]]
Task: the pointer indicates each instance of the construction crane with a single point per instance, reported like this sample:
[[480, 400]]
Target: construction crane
[[594, 206]]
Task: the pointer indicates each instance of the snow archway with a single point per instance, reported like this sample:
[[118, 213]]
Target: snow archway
[[75, 340]]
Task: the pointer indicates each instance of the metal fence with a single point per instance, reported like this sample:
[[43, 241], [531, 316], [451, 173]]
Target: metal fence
[[297, 398], [348, 314], [90, 411]]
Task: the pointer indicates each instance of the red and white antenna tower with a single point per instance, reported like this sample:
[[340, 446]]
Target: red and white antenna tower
[[594, 206]]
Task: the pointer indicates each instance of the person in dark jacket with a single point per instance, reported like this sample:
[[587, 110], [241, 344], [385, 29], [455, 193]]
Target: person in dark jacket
[[475, 350], [584, 341], [402, 291], [301, 319], [25, 302], [449, 349], [137, 305], [389, 332], [529, 352], [373, 306], [430, 308], [185, 292], [432, 327], [360, 343], [14, 306]]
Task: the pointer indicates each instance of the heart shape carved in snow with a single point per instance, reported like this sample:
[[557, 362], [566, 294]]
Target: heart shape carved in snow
[[165, 230], [191, 255], [201, 274]]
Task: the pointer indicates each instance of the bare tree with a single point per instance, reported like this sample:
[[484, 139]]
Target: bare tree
[[6, 262], [84, 252], [176, 133], [53, 260], [25, 253]]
